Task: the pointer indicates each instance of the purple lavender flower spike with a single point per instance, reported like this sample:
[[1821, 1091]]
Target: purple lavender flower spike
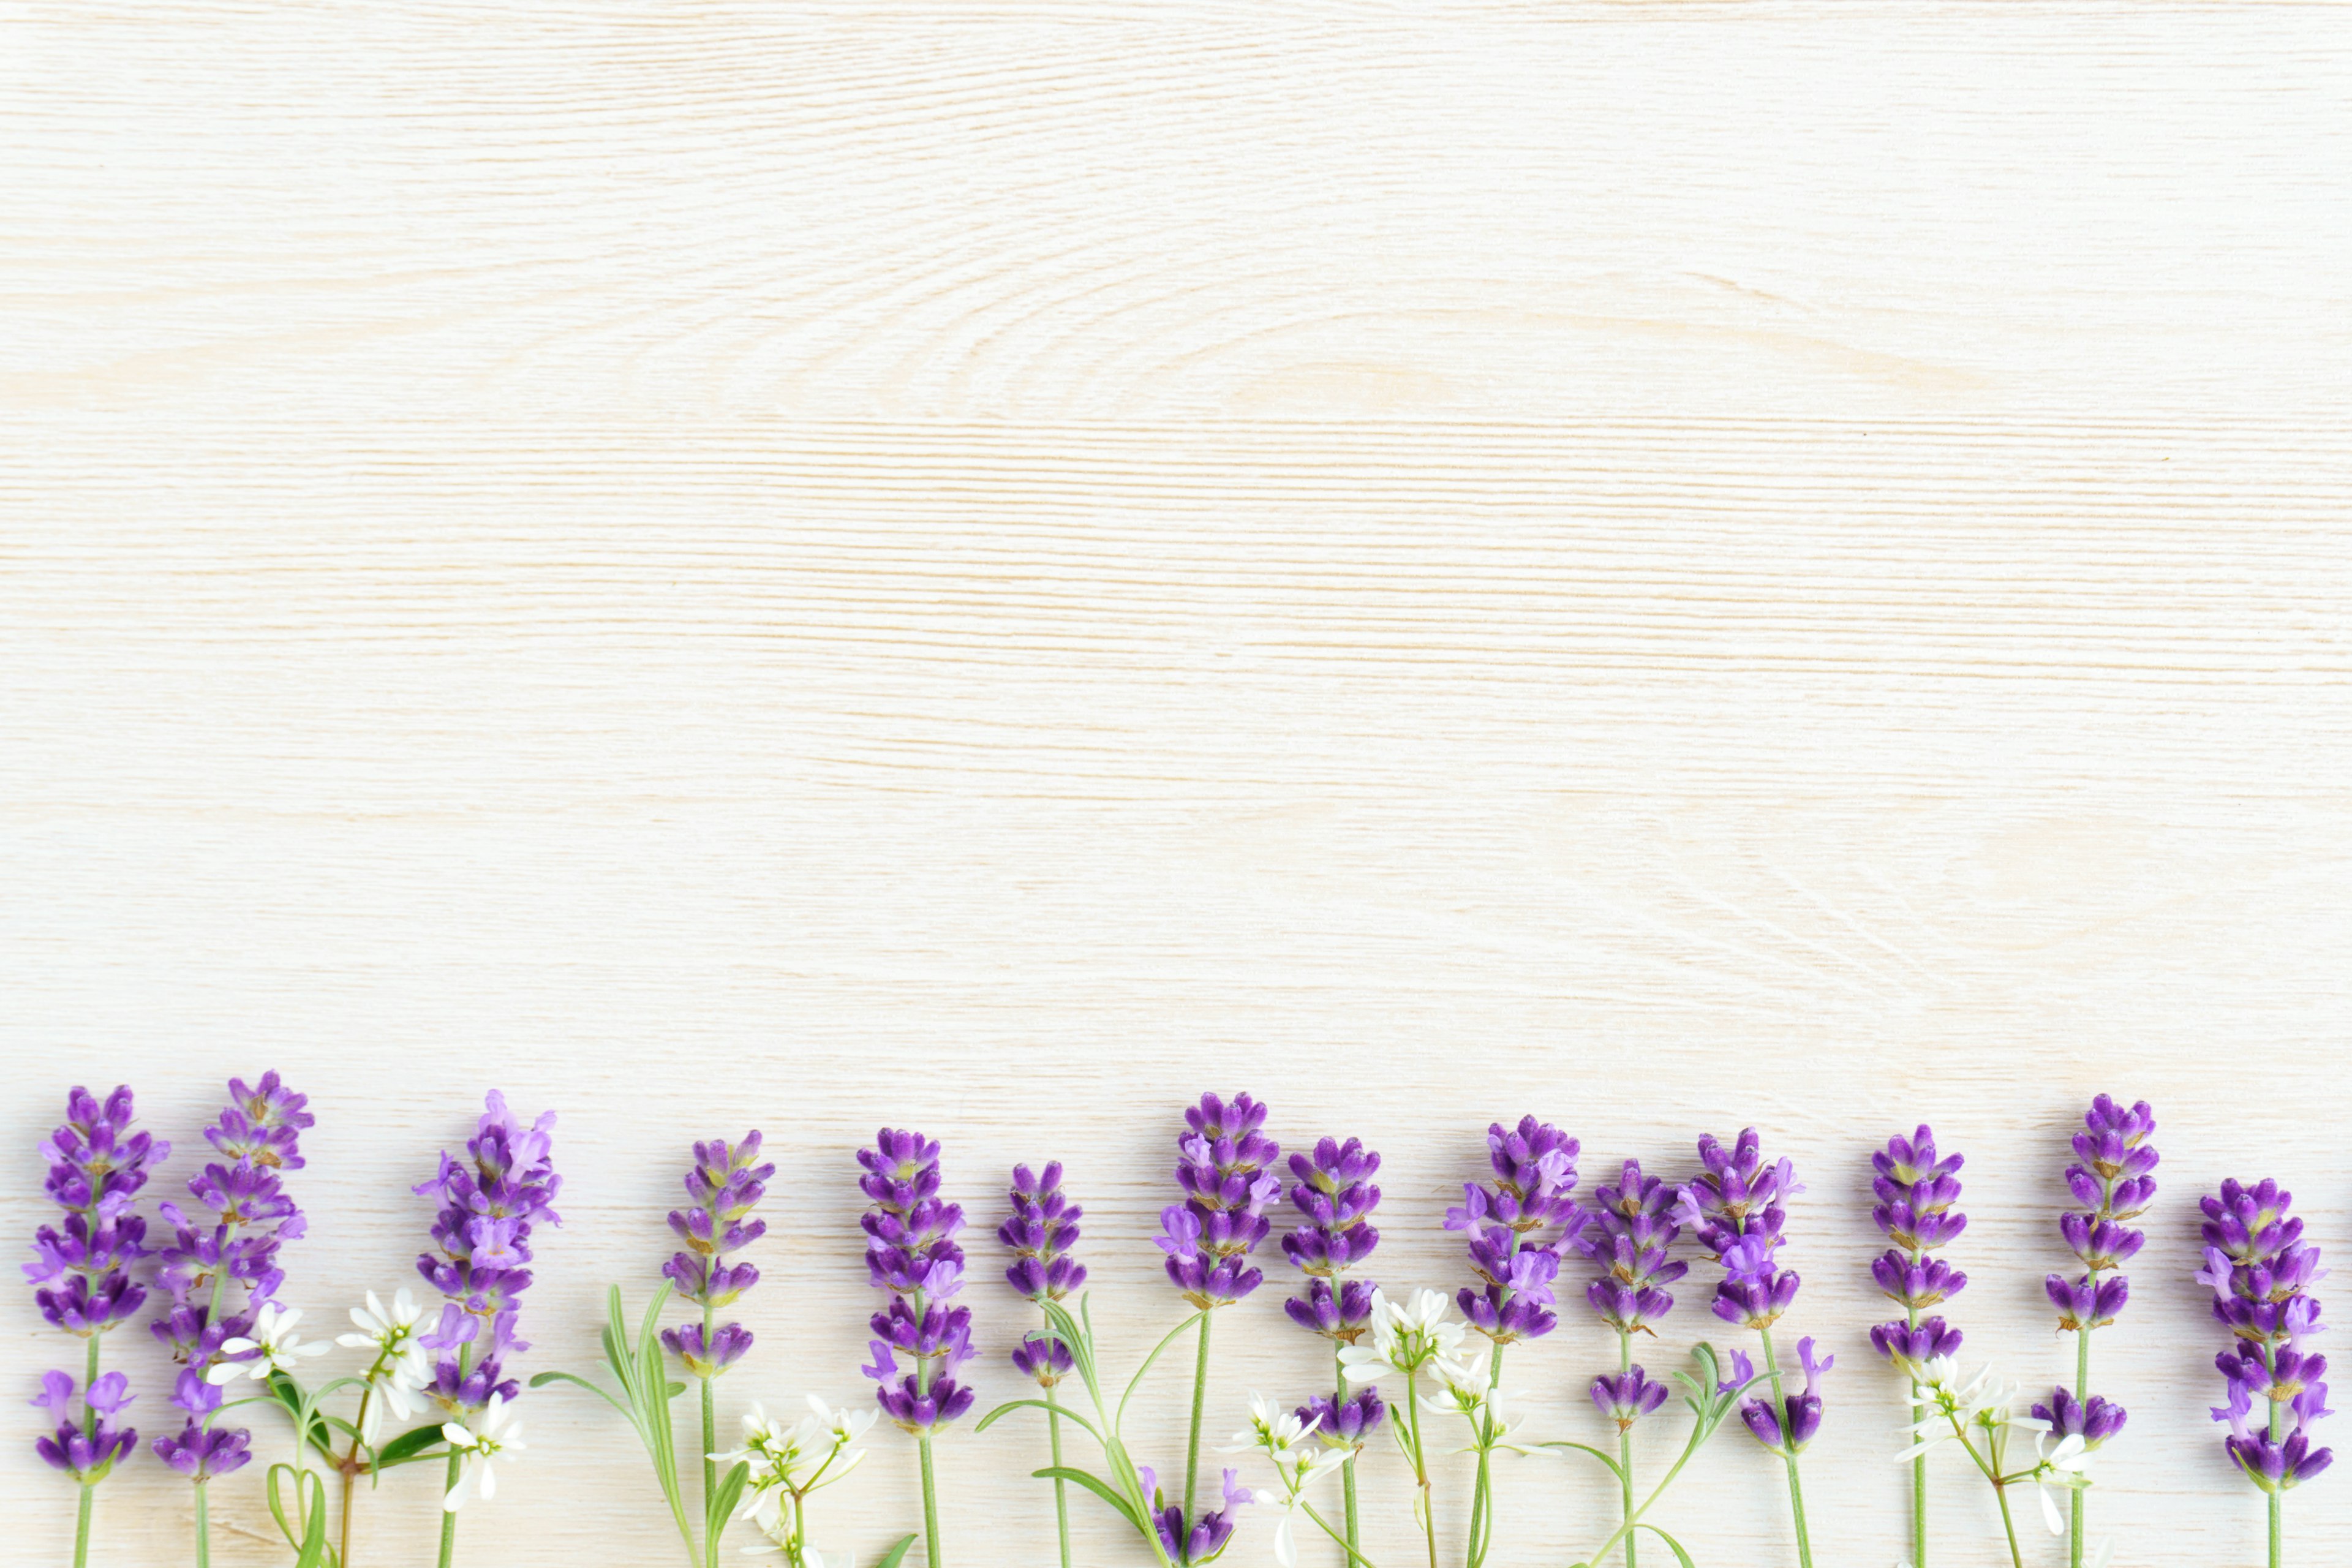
[[1515, 1260], [2113, 1179], [1631, 1239], [1918, 1196], [2261, 1271], [490, 1202], [1039, 1232], [1223, 1168], [911, 1252], [82, 1278], [232, 1248], [727, 1181]]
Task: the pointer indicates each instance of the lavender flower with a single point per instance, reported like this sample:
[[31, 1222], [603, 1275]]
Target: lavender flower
[[1039, 1232], [1789, 1428], [2260, 1270], [1206, 1537], [489, 1201], [1344, 1422], [1628, 1396], [250, 1216], [1632, 1238], [1333, 1192], [1534, 1190], [1223, 1166], [82, 1280], [2113, 1180], [722, 1189], [1738, 1205], [911, 1251]]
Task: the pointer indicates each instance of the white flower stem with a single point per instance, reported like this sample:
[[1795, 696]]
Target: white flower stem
[[1482, 1526], [1421, 1464]]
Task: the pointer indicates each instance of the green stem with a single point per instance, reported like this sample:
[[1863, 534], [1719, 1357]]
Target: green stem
[[2278, 1419], [89, 1429], [709, 1446], [1061, 1491], [2000, 1491], [1421, 1464], [930, 1506], [1348, 1470], [1626, 1530], [1625, 1450], [923, 1449], [350, 1469], [1796, 1487], [2075, 1521], [456, 1466], [204, 1529], [1199, 1401], [1481, 1525], [1918, 1462]]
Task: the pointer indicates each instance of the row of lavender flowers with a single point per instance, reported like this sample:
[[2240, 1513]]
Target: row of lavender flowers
[[219, 1279]]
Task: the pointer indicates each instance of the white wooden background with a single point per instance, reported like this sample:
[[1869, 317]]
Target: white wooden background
[[995, 566]]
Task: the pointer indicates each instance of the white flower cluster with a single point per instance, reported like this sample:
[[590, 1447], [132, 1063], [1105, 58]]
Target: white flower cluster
[[396, 1381]]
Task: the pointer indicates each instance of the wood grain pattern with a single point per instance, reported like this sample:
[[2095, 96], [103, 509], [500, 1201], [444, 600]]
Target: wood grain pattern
[[997, 566]]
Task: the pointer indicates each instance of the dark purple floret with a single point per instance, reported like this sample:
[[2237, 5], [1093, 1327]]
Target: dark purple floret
[[911, 1252], [1534, 1166], [1207, 1537], [1043, 1358], [1625, 1397], [200, 1455], [2112, 1181], [2087, 1303], [490, 1202], [2095, 1422], [1914, 1349], [1342, 1314], [1787, 1429], [1737, 1204], [728, 1343], [1223, 1168], [1345, 1423], [2260, 1270]]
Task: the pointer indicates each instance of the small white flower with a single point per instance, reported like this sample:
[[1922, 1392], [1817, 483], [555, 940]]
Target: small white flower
[[403, 1369], [1984, 1401], [274, 1337], [1404, 1338], [813, 1452], [493, 1436], [1271, 1429], [2058, 1471]]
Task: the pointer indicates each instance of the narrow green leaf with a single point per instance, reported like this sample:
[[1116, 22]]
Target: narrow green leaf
[[1062, 1411], [541, 1379], [409, 1445], [1199, 1316], [1094, 1485], [313, 1550], [1582, 1449], [896, 1555], [722, 1505], [1671, 1544]]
